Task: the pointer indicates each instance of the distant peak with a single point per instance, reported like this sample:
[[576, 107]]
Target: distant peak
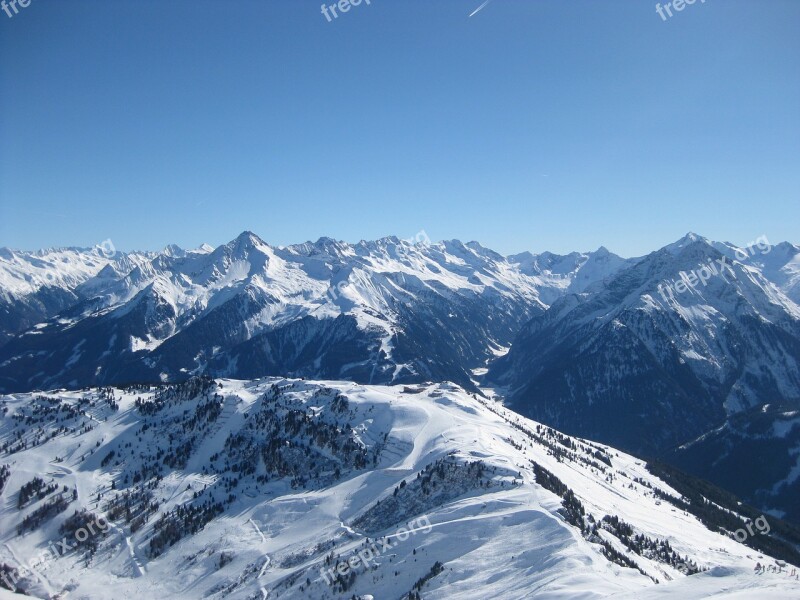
[[389, 239], [248, 238], [454, 243], [331, 246], [326, 241], [686, 241], [173, 250], [483, 251], [691, 238], [525, 255]]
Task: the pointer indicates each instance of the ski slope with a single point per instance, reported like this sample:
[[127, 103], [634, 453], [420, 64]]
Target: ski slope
[[499, 534]]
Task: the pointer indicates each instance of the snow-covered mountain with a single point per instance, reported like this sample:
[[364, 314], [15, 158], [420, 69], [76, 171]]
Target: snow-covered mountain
[[282, 488], [664, 351], [382, 311], [647, 361], [646, 354], [35, 286], [782, 267], [572, 273]]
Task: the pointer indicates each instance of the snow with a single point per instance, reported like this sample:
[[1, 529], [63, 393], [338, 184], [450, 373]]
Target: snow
[[322, 279], [507, 540]]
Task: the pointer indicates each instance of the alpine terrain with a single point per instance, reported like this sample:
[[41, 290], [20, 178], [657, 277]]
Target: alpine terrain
[[285, 488], [400, 419]]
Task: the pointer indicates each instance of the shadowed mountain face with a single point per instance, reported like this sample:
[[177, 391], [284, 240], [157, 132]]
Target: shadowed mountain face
[[754, 454], [668, 351], [382, 311], [647, 361]]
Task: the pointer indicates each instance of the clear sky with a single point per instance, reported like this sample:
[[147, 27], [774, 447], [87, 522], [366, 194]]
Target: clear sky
[[532, 125]]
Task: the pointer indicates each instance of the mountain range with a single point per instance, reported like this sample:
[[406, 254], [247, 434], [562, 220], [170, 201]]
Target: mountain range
[[678, 354], [387, 311]]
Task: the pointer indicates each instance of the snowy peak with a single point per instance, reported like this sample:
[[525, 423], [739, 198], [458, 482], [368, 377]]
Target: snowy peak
[[245, 243], [323, 248], [686, 334], [564, 266], [23, 272], [569, 274], [395, 298], [781, 265], [598, 267], [173, 250], [232, 309], [687, 240]]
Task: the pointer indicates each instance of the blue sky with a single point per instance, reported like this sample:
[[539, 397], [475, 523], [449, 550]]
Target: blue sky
[[533, 125]]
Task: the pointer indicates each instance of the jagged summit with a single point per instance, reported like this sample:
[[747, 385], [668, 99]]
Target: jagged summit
[[246, 239], [687, 240]]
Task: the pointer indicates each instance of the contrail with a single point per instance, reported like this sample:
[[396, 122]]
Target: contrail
[[480, 8]]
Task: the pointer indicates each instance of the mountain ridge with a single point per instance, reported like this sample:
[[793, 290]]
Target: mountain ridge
[[247, 288]]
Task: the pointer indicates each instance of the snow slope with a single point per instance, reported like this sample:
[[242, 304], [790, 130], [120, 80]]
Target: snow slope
[[309, 473]]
